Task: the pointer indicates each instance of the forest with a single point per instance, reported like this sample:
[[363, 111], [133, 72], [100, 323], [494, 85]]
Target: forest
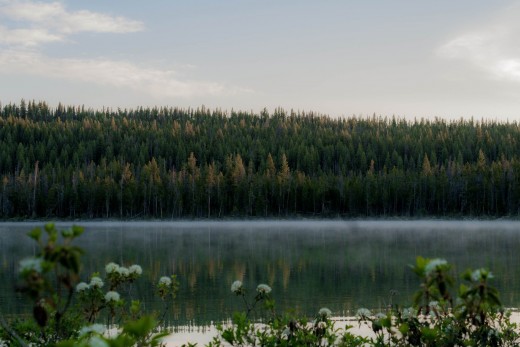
[[77, 162]]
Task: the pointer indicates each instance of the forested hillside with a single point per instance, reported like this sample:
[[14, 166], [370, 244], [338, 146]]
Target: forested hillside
[[171, 163]]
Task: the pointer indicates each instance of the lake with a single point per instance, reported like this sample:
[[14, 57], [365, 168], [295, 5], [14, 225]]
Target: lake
[[342, 265]]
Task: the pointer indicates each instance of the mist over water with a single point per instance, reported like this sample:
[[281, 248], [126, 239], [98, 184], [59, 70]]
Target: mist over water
[[342, 265]]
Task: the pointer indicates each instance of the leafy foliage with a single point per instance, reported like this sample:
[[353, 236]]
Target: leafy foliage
[[50, 281], [475, 317]]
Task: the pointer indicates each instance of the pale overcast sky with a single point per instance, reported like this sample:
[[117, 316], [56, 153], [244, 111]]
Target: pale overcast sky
[[441, 58]]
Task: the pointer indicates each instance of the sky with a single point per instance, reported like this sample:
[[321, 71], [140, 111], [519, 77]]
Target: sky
[[405, 58]]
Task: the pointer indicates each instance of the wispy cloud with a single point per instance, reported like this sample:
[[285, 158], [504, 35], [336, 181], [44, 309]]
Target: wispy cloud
[[120, 74], [39, 23], [27, 37], [492, 48], [56, 18]]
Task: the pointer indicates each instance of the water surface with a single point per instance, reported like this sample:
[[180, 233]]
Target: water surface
[[342, 265]]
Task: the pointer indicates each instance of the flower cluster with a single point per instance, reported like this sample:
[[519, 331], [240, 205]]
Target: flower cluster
[[167, 286], [111, 268], [263, 289], [237, 287], [94, 328], [117, 274], [94, 333], [165, 281], [322, 325], [434, 305], [409, 312], [123, 271], [82, 286], [481, 274], [135, 270], [325, 312], [363, 313], [96, 282], [434, 264], [31, 264], [286, 333], [96, 341], [380, 315], [112, 297]]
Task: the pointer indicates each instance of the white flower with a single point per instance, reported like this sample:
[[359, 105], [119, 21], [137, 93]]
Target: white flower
[[236, 287], [31, 264], [380, 315], [363, 313], [325, 312], [94, 328], [123, 271], [165, 281], [81, 286], [434, 306], [96, 341], [112, 296], [96, 282], [409, 312], [286, 333], [434, 264], [322, 325], [263, 289], [476, 275], [111, 267], [135, 269]]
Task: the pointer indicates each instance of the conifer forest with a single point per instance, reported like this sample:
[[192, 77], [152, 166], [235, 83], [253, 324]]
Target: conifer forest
[[74, 162]]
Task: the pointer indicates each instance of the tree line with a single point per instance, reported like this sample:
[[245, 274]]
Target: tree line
[[77, 162]]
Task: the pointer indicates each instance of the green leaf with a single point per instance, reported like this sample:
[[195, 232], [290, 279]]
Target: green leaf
[[493, 298], [53, 235], [122, 340], [404, 328], [77, 230], [228, 335], [386, 322], [135, 306], [157, 339], [429, 334], [49, 227], [377, 326], [420, 265], [463, 289], [35, 234], [140, 327]]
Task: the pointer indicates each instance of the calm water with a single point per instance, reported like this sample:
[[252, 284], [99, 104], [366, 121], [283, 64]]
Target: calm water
[[309, 264]]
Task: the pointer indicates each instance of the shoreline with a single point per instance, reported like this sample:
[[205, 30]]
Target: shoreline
[[296, 217], [203, 335], [382, 222]]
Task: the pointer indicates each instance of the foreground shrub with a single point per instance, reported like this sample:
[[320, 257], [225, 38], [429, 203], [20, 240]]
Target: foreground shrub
[[66, 309], [439, 316]]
